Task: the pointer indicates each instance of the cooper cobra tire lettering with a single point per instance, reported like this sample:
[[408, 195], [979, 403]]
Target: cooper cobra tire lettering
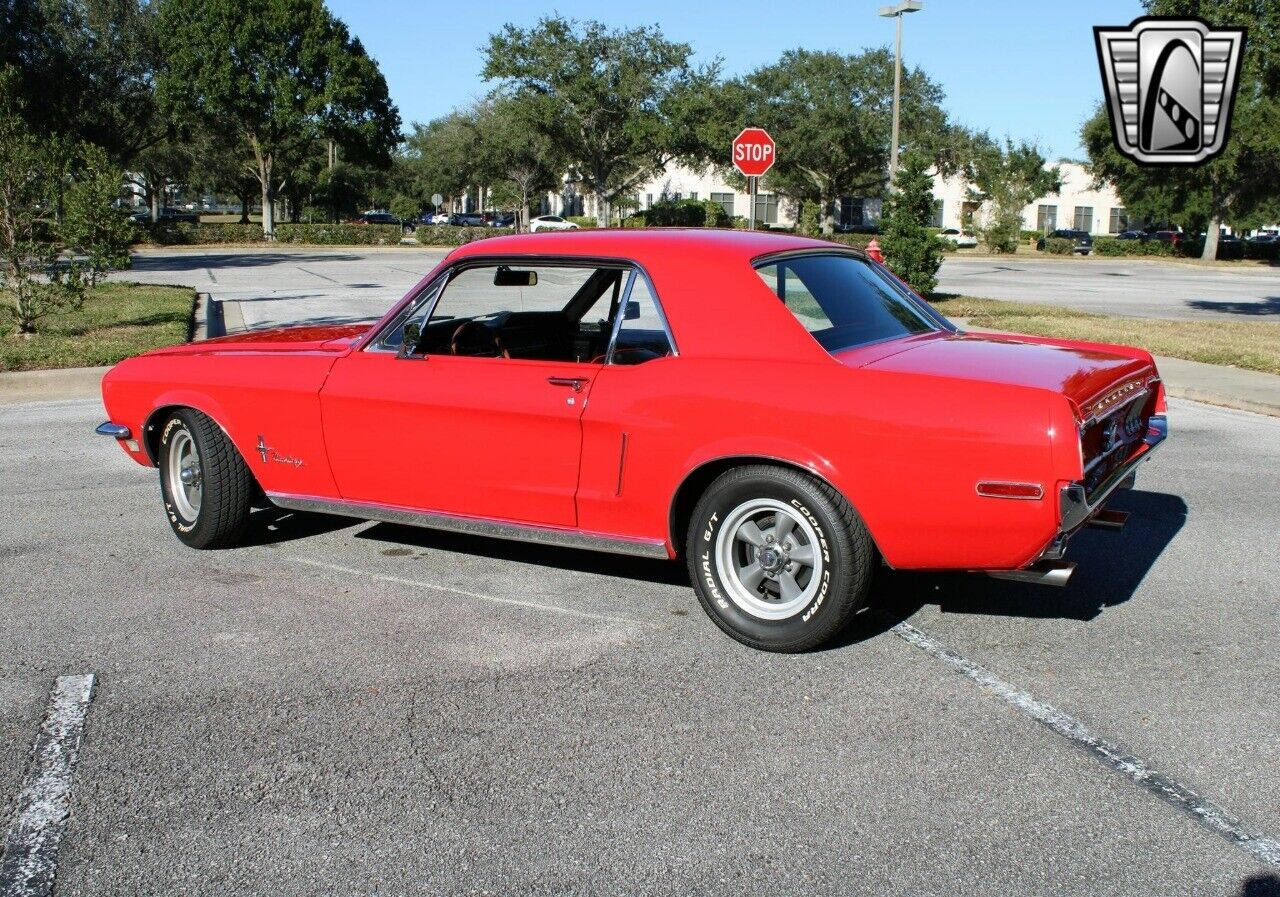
[[839, 536]]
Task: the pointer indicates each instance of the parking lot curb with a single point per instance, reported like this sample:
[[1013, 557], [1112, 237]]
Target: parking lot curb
[[22, 387]]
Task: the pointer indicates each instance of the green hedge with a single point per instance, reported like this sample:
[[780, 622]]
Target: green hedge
[[340, 234], [1112, 246], [1059, 246], [587, 221], [448, 235]]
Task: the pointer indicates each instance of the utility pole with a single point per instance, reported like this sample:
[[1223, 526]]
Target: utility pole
[[897, 12]]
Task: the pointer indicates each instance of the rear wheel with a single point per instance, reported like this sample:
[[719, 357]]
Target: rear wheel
[[779, 560], [207, 488]]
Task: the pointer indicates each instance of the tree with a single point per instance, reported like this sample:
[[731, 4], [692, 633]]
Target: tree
[[617, 105], [443, 153], [1238, 187], [911, 250], [85, 70], [30, 273], [279, 74], [1005, 179], [831, 115], [93, 224], [515, 158]]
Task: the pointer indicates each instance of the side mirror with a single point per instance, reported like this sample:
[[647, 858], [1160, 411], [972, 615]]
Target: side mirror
[[631, 312], [412, 336]]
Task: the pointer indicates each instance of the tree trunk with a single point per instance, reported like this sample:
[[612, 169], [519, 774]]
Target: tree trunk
[[1211, 239], [522, 218], [244, 206], [602, 210], [154, 189], [268, 197], [828, 208]]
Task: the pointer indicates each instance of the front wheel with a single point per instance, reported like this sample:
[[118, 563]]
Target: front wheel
[[207, 488], [779, 560]]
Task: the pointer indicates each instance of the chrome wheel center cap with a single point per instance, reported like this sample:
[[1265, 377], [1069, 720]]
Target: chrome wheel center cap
[[771, 559]]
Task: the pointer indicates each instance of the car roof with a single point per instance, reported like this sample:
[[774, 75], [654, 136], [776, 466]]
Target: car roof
[[644, 244]]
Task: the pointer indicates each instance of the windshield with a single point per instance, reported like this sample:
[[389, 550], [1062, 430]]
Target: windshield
[[842, 300]]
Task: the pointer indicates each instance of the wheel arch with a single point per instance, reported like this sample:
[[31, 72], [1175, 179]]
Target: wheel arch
[[695, 483], [167, 405]]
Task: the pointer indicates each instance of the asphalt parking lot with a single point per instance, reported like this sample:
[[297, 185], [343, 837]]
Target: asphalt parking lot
[[351, 708], [265, 287]]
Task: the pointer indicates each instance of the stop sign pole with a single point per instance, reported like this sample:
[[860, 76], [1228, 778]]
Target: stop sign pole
[[754, 153]]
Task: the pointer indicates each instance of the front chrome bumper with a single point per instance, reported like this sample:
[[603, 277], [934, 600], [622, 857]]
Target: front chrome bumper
[[115, 431]]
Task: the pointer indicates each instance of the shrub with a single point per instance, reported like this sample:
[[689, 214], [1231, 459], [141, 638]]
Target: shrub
[[1031, 236], [676, 213], [1268, 252], [857, 241], [583, 220], [910, 250], [406, 208], [809, 224], [1110, 246], [1059, 246], [193, 234]]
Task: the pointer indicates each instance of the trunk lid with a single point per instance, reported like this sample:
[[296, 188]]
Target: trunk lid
[[1083, 372]]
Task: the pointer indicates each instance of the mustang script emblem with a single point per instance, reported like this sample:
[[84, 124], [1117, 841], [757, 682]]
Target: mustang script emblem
[[1170, 84], [270, 454]]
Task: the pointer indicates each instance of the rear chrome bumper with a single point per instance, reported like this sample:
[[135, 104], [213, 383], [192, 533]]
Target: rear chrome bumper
[[1077, 509]]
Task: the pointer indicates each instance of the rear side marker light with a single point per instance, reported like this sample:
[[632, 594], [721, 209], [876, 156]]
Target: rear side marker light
[[1026, 491]]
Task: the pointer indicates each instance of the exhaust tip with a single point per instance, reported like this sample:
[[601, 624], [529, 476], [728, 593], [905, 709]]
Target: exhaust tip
[[1044, 573]]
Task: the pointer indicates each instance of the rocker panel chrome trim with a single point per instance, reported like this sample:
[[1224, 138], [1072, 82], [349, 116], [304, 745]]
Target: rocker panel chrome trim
[[476, 526]]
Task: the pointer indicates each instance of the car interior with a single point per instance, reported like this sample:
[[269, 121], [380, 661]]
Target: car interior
[[578, 332]]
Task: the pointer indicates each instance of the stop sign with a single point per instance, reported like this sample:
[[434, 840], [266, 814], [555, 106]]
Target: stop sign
[[754, 152]]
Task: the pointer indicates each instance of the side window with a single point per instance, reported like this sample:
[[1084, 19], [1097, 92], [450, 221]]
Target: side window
[[642, 332]]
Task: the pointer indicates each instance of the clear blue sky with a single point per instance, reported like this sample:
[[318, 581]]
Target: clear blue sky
[[1027, 69]]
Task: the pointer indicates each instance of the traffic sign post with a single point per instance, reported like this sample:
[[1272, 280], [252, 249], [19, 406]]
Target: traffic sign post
[[754, 153]]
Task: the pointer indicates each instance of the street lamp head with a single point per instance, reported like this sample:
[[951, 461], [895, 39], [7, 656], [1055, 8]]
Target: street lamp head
[[905, 6]]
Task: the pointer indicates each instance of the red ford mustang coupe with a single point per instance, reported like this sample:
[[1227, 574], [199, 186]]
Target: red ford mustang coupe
[[781, 412]]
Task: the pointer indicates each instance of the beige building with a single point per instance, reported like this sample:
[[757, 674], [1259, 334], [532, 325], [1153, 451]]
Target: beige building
[[1077, 205]]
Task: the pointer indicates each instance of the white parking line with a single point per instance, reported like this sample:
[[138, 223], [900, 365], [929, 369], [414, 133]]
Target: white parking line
[[30, 858], [382, 577], [1204, 811]]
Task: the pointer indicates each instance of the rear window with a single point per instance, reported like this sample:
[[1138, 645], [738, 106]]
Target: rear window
[[842, 300]]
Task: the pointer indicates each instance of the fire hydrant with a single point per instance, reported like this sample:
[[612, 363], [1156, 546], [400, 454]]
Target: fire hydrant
[[873, 251]]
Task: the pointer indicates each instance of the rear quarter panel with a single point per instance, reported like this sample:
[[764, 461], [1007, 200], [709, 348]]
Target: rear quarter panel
[[907, 450]]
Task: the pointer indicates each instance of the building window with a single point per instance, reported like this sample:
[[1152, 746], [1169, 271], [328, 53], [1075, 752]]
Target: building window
[[693, 195], [648, 200], [1119, 221], [1084, 218], [851, 211], [936, 220], [1046, 219], [725, 200], [767, 208]]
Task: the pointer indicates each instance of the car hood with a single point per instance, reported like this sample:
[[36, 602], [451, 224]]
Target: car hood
[[334, 338], [1080, 371]]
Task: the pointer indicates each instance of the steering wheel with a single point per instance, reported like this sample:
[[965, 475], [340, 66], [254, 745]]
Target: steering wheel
[[475, 339]]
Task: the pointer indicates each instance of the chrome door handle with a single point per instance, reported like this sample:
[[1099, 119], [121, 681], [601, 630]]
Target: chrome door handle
[[575, 383]]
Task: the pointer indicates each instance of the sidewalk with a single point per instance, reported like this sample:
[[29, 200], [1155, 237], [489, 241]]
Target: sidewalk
[[1210, 383]]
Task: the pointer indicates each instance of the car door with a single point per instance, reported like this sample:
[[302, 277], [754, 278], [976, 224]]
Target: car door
[[456, 431]]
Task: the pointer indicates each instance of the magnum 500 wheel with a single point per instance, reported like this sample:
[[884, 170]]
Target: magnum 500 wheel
[[780, 561], [206, 486]]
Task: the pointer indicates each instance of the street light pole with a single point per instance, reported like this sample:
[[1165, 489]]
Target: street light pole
[[897, 12]]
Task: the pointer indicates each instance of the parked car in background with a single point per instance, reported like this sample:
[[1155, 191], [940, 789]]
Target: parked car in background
[[437, 218], [467, 219], [1139, 235], [168, 215], [959, 239], [1083, 240], [376, 218], [503, 219], [857, 229], [1230, 247], [907, 442], [550, 222], [1264, 239], [1168, 236]]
